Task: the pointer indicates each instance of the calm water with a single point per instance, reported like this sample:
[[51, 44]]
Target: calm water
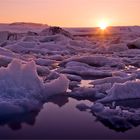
[[60, 118]]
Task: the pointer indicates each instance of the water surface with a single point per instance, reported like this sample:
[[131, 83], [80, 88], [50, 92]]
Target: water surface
[[60, 118]]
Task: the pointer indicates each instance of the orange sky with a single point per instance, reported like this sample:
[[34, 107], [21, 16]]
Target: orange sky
[[71, 13]]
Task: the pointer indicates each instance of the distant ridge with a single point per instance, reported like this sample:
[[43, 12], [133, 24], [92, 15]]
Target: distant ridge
[[22, 27], [26, 24]]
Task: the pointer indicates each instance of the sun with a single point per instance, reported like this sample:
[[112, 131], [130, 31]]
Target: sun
[[103, 25]]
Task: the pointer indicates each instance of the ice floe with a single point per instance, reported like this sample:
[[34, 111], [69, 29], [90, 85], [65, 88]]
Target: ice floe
[[22, 90]]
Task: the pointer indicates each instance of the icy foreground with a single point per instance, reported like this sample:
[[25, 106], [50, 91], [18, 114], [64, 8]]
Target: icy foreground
[[41, 62]]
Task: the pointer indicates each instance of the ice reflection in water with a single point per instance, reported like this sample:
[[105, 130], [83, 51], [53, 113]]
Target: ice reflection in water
[[60, 118]]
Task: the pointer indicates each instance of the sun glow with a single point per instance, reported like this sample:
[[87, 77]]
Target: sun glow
[[103, 25]]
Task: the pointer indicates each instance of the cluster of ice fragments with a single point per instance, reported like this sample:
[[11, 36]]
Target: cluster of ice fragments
[[37, 65]]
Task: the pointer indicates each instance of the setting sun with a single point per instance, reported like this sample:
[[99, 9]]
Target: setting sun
[[103, 25]]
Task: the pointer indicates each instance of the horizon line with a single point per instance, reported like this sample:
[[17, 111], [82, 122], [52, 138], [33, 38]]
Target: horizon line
[[26, 22]]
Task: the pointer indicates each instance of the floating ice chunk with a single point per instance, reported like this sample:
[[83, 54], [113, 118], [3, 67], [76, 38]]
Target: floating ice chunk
[[53, 75], [22, 75], [57, 86], [97, 61], [82, 69], [54, 31], [6, 52], [73, 77], [138, 74], [117, 48], [86, 93], [32, 34], [18, 83], [51, 47], [21, 46], [130, 53], [99, 95], [85, 72], [119, 73], [27, 44], [81, 44], [3, 36], [44, 62], [16, 48], [83, 92], [97, 107], [5, 60], [82, 107], [42, 70], [56, 57], [135, 44], [52, 38], [114, 118], [29, 39], [112, 80], [77, 43], [103, 87], [22, 90], [127, 90], [75, 63]]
